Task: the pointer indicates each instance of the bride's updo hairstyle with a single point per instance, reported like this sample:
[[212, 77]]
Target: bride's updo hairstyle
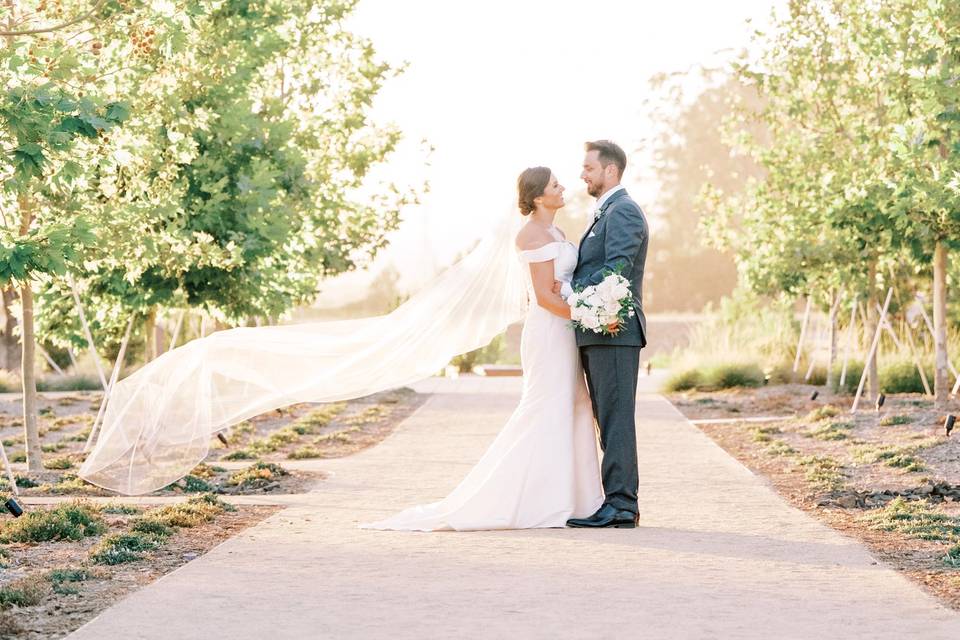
[[530, 185]]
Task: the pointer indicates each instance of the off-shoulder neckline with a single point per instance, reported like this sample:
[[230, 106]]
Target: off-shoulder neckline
[[546, 245]]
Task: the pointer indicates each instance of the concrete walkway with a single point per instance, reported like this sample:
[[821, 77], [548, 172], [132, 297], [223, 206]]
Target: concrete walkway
[[719, 555]]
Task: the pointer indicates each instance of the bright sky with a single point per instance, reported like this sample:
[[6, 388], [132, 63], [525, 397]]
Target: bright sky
[[500, 85]]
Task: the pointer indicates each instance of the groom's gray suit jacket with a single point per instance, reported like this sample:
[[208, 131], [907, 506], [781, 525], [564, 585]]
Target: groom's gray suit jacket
[[618, 236]]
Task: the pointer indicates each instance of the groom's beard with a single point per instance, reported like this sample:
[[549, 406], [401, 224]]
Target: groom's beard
[[595, 190]]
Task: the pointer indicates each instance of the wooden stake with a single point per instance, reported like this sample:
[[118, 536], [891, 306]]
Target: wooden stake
[[176, 330], [850, 332], [916, 361], [803, 333], [86, 330], [873, 351], [113, 380], [6, 466], [50, 360], [927, 321]]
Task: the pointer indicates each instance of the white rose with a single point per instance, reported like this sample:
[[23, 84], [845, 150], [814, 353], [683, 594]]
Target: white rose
[[590, 321]]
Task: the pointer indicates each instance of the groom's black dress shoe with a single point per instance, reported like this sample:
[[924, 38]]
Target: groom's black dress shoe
[[607, 516]]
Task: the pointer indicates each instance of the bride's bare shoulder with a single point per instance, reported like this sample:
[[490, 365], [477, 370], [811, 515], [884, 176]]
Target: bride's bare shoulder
[[533, 236]]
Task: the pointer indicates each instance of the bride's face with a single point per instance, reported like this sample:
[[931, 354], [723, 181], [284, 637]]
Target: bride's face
[[552, 197]]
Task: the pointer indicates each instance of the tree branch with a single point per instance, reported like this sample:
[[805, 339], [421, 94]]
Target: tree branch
[[58, 27]]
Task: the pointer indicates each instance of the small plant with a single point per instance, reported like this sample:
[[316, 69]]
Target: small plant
[[823, 472], [63, 462], [53, 447], [152, 527], [19, 456], [370, 415], [765, 434], [337, 437], [780, 448], [305, 452], [121, 509], [318, 418], [241, 454], [80, 436], [952, 559], [822, 413], [891, 456], [24, 482], [68, 575], [193, 512], [890, 421], [915, 519], [193, 484], [73, 521], [830, 431], [24, 592], [257, 476], [123, 547]]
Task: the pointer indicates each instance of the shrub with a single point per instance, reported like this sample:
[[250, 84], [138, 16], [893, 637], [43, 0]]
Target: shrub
[[684, 380], [851, 381], [902, 377], [890, 421], [123, 547], [69, 383], [726, 376], [24, 592], [73, 521]]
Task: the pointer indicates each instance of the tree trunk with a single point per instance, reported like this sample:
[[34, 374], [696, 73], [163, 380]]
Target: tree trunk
[[150, 335], [27, 365], [10, 352], [870, 329], [941, 383]]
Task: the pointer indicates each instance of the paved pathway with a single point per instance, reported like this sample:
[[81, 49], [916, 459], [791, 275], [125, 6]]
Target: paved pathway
[[719, 555]]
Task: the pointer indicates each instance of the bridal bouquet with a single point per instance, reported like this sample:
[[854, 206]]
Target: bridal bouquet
[[596, 307]]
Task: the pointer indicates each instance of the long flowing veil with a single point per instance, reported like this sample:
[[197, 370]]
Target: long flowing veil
[[159, 421]]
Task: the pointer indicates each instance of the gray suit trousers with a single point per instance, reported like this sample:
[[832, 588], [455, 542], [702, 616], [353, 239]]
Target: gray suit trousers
[[612, 372]]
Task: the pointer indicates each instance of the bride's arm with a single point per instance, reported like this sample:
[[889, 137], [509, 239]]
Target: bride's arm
[[543, 278]]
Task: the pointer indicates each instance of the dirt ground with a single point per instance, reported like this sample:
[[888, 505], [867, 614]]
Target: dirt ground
[[847, 469], [250, 461], [67, 606], [302, 431]]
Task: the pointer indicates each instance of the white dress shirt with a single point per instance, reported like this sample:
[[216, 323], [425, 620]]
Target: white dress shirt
[[565, 288]]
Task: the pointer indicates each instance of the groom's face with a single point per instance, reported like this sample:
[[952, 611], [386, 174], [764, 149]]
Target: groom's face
[[595, 175]]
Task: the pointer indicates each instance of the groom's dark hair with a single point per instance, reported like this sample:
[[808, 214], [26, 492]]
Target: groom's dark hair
[[609, 153]]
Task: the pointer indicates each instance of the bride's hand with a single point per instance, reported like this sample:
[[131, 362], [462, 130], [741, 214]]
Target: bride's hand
[[613, 328]]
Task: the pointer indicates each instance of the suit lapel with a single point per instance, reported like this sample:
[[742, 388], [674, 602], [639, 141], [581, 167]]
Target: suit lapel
[[606, 205]]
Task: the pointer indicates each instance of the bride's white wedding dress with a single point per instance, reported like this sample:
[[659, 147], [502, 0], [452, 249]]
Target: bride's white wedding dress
[[543, 467]]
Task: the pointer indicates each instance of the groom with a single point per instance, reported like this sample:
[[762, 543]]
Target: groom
[[616, 238]]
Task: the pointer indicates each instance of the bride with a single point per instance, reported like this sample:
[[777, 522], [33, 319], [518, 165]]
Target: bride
[[542, 469]]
